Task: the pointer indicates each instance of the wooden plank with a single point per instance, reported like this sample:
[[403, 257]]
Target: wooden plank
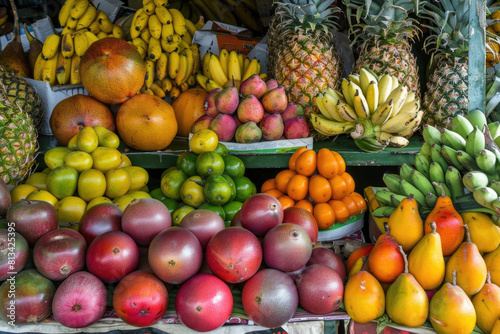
[[477, 55]]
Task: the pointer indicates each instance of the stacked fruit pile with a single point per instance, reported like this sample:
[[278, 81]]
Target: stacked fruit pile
[[450, 161], [89, 171], [163, 38], [319, 183], [492, 38], [410, 256], [229, 68], [376, 112], [207, 177], [59, 59], [255, 110]]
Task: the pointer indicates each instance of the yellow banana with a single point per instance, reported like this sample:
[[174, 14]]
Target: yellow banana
[[71, 24], [401, 120], [154, 26], [216, 70], [233, 66], [103, 15], [412, 125], [87, 18], [145, 35], [205, 68], [410, 97], [246, 63], [63, 69], [174, 92], [335, 94], [322, 108], [211, 85], [346, 111], [398, 96], [178, 21], [161, 66], [157, 90], [167, 32], [330, 103], [191, 81], [196, 57], [118, 31], [147, 91], [202, 80], [75, 77], [328, 127], [191, 28], [49, 70], [150, 73], [154, 49], [140, 21], [67, 30], [353, 77], [143, 52], [187, 38], [81, 43], [139, 41], [51, 46], [159, 3], [365, 77], [149, 7], [163, 15], [64, 12], [101, 35], [182, 71], [382, 113], [345, 91], [372, 96], [132, 32], [173, 64], [37, 69], [252, 69], [395, 82], [190, 63], [184, 86], [169, 46], [182, 44], [360, 104], [91, 37], [241, 60], [67, 45], [223, 59], [94, 27], [166, 84], [384, 88], [78, 9], [106, 25]]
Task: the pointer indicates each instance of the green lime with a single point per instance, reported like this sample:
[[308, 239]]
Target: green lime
[[157, 194], [179, 213], [217, 191], [171, 184], [215, 208], [230, 208], [192, 191], [244, 188], [186, 162], [233, 166], [230, 181], [170, 204], [168, 170], [221, 149], [209, 163]]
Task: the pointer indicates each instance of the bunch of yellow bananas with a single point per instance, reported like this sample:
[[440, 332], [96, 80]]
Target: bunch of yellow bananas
[[163, 37], [493, 35], [83, 24], [229, 67]]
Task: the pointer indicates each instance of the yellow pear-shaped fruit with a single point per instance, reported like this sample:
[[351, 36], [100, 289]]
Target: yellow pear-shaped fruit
[[487, 305], [87, 140], [406, 302], [405, 224], [364, 298], [492, 261], [483, 231], [469, 265], [451, 310], [426, 261]]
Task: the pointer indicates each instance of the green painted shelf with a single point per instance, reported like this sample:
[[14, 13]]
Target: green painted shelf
[[343, 145]]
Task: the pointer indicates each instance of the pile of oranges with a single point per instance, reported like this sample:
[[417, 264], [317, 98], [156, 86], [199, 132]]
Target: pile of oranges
[[318, 183]]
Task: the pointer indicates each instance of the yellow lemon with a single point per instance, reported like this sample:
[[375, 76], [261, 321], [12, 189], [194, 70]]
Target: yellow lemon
[[54, 157], [98, 200], [139, 194], [204, 140], [106, 158], [139, 177], [91, 184], [42, 195], [69, 211], [79, 160], [123, 201], [38, 180], [21, 191], [117, 183], [125, 161]]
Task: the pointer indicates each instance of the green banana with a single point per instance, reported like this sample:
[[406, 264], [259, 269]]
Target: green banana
[[494, 128], [461, 125], [391, 181], [407, 189], [437, 157], [431, 135], [431, 199], [475, 142], [426, 151], [421, 182], [388, 198], [453, 180], [477, 118], [486, 161], [450, 155], [436, 173], [383, 211], [466, 160], [422, 164], [405, 172], [475, 179], [495, 185], [452, 139], [485, 196]]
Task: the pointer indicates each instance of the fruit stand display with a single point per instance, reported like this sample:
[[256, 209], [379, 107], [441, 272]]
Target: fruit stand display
[[141, 210]]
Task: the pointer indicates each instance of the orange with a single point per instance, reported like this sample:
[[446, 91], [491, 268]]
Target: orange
[[293, 158], [112, 70], [268, 184], [324, 215], [146, 122], [286, 201], [327, 163], [341, 211], [340, 162], [274, 192], [305, 204], [282, 179], [306, 162], [339, 187], [188, 107], [298, 187], [320, 189], [351, 184]]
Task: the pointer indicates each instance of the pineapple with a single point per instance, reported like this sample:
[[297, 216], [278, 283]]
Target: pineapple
[[18, 140], [301, 52], [22, 94], [385, 33], [447, 86]]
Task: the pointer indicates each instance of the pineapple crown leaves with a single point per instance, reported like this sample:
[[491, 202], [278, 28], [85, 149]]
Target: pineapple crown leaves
[[307, 16], [381, 19]]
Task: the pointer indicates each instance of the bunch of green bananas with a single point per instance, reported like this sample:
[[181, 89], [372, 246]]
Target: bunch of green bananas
[[376, 112], [462, 162]]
